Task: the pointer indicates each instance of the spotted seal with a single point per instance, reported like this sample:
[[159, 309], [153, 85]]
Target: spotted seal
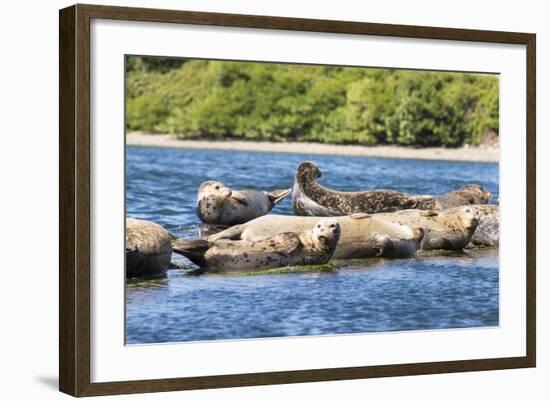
[[360, 238], [309, 198], [218, 204], [314, 246], [148, 249]]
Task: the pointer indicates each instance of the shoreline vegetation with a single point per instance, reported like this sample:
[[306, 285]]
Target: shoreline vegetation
[[487, 154], [212, 100]]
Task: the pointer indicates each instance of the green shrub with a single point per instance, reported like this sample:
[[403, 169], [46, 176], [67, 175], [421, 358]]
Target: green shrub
[[278, 102]]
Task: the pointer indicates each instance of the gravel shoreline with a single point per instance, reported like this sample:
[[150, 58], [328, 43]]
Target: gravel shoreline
[[472, 154]]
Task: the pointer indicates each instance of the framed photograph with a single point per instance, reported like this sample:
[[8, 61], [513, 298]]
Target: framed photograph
[[250, 200]]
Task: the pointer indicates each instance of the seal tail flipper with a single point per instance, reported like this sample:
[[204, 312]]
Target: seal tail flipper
[[278, 195], [233, 233], [193, 250]]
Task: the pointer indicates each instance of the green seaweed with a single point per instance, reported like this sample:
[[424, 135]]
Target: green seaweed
[[323, 268]]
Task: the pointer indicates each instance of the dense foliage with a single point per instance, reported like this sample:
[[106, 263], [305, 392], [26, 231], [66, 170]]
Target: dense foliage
[[278, 102]]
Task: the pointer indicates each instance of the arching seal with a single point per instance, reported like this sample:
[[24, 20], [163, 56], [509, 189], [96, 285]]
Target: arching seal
[[450, 229], [471, 194], [487, 233], [311, 199], [148, 249], [314, 246], [359, 238], [218, 204]]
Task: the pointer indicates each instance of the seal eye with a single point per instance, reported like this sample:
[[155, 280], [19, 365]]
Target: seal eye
[[332, 225], [318, 226], [217, 187]]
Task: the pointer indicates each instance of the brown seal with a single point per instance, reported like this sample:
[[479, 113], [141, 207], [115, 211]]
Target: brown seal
[[148, 249], [471, 194], [309, 198], [314, 246], [218, 204]]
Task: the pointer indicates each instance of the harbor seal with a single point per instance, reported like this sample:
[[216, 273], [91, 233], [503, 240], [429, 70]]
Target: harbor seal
[[314, 246], [471, 194], [450, 229], [218, 204], [312, 199], [148, 249], [487, 233], [359, 238]]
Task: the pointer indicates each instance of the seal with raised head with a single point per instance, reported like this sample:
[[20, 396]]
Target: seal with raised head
[[218, 204], [148, 249], [309, 198], [314, 246], [360, 237]]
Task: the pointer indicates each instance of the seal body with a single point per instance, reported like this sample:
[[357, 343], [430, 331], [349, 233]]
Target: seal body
[[363, 237], [148, 249], [450, 229], [311, 199], [218, 204], [314, 246], [471, 194], [487, 233]]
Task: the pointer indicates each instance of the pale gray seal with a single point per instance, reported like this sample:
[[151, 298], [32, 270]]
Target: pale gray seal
[[218, 204], [359, 238], [148, 249], [450, 229], [314, 246], [309, 198], [487, 233]]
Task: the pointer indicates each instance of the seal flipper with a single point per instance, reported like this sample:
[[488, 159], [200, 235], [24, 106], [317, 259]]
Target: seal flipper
[[278, 195], [441, 243], [359, 216], [193, 250], [233, 233], [429, 214], [286, 243], [239, 198]]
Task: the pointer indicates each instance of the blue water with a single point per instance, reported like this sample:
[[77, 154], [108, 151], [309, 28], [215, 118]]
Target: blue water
[[429, 291]]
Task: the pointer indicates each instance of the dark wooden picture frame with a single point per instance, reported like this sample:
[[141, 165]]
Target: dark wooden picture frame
[[74, 203]]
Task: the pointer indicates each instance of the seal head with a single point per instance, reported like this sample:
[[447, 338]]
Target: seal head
[[210, 197], [325, 234], [307, 171]]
